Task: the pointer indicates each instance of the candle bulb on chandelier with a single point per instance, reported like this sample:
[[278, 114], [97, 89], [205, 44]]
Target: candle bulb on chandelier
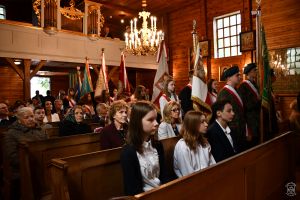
[[154, 18], [151, 18], [135, 20], [131, 26]]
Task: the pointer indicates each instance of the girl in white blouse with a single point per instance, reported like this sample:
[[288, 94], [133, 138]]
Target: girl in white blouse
[[142, 159], [171, 124], [192, 153], [50, 117]]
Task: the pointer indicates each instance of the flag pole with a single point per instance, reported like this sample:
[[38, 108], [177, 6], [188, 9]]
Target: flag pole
[[259, 62]]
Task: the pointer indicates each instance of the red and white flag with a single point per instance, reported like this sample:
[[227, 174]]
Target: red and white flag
[[123, 84], [102, 82], [162, 72]]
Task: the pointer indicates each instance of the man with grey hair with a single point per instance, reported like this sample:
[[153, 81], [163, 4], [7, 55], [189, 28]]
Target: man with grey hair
[[24, 129]]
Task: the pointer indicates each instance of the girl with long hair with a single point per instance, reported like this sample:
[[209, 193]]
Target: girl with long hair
[[142, 159], [193, 152]]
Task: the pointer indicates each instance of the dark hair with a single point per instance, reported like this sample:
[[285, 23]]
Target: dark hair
[[38, 108], [138, 91], [191, 73], [298, 102], [209, 86], [218, 106], [190, 130], [135, 129]]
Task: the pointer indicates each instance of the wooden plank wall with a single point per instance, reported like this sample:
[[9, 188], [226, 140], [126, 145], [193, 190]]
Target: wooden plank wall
[[280, 19], [11, 85]]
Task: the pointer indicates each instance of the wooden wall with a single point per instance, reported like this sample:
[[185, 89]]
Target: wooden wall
[[11, 85], [280, 19]]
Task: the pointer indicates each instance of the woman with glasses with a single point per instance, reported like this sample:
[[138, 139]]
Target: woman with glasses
[[171, 124], [193, 152]]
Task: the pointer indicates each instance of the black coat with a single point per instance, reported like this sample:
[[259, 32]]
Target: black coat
[[220, 145], [67, 128], [185, 99], [132, 176]]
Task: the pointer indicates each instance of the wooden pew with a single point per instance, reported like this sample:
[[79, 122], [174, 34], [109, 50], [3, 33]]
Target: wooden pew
[[96, 175], [35, 158], [260, 173], [52, 132]]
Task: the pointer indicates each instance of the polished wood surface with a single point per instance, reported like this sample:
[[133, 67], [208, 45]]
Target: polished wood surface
[[257, 174], [36, 156]]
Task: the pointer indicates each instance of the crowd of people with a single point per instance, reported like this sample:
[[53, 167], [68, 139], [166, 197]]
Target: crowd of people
[[138, 125]]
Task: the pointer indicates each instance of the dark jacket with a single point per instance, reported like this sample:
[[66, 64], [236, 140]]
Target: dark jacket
[[132, 176], [185, 99], [220, 145], [67, 128], [238, 124], [111, 138], [15, 134], [6, 123]]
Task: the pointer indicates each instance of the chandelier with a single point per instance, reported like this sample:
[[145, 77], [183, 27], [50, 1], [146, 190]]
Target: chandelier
[[278, 63], [143, 41], [72, 12]]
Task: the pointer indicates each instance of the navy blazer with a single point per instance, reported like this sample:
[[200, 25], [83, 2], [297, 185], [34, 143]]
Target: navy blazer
[[220, 145], [132, 176]]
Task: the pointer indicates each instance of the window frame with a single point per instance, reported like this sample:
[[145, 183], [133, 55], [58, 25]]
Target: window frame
[[215, 29]]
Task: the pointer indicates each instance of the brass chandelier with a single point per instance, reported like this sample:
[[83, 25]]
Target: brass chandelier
[[144, 41]]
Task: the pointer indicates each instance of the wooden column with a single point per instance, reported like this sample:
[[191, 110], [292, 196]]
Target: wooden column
[[27, 64]]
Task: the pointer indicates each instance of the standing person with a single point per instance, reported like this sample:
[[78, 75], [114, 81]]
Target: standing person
[[40, 97], [168, 95], [24, 129], [142, 159], [139, 94], [73, 123], [114, 135], [220, 136], [107, 32], [249, 93], [228, 92], [192, 153], [212, 90], [185, 95], [171, 124], [50, 117], [69, 101], [49, 97]]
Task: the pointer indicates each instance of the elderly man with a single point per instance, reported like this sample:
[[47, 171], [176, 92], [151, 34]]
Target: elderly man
[[5, 119], [102, 114], [24, 129], [59, 108]]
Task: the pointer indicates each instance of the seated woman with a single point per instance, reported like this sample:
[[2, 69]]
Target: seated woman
[[114, 135], [192, 153], [49, 115], [171, 124], [72, 124], [24, 129], [142, 159]]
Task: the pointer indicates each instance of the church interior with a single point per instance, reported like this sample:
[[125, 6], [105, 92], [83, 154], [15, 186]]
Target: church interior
[[54, 39]]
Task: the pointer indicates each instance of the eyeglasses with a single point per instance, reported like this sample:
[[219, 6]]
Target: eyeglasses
[[175, 110]]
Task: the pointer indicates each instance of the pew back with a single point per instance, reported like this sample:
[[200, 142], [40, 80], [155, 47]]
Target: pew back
[[36, 156], [52, 132], [260, 173], [96, 175]]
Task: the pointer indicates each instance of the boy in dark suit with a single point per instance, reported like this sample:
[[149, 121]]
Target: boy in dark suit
[[220, 137]]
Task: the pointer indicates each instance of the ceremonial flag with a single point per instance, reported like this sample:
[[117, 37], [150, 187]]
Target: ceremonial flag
[[123, 85], [162, 73], [87, 85], [102, 83], [267, 84], [200, 97]]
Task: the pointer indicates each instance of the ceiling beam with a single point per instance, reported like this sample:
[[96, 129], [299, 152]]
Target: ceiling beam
[[38, 67], [15, 67]]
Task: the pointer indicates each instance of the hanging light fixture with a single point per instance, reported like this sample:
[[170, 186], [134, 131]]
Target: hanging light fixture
[[143, 41]]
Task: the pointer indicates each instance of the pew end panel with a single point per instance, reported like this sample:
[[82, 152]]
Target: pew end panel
[[35, 158], [96, 175]]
